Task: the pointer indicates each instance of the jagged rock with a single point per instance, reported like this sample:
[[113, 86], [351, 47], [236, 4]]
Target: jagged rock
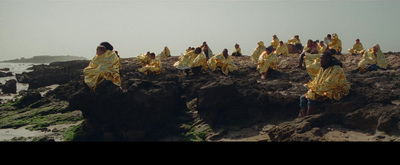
[[10, 86]]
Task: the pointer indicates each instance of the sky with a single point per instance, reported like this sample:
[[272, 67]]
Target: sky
[[70, 27]]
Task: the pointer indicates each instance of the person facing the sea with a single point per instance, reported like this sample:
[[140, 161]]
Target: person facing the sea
[[275, 42], [329, 83], [105, 65], [267, 60], [282, 49], [257, 51], [223, 61], [192, 61], [237, 51], [164, 54], [154, 66], [357, 48], [373, 59]]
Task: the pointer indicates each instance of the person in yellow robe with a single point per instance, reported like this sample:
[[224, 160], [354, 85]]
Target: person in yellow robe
[[192, 61], [330, 83], [275, 42], [164, 54], [105, 65], [282, 49], [321, 47], [295, 41], [267, 60], [357, 48], [222, 60], [237, 51], [257, 51], [154, 66], [336, 43], [373, 59], [144, 59]]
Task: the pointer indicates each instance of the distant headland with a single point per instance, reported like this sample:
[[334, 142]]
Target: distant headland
[[46, 59]]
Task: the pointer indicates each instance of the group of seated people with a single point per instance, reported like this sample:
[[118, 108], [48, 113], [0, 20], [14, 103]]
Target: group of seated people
[[328, 80]]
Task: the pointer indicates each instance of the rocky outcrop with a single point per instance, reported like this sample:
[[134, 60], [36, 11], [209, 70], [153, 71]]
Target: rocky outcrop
[[10, 86], [155, 107]]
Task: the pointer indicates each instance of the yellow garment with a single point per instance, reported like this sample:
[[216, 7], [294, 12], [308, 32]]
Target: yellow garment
[[257, 51], [313, 64], [105, 66], [267, 61], [294, 41], [357, 48], [227, 65], [329, 83], [275, 43], [282, 50], [153, 66], [210, 53], [336, 43], [321, 49], [164, 54], [237, 50], [190, 60], [143, 59], [370, 58]]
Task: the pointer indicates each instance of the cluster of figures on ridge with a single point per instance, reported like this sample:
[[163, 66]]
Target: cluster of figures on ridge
[[328, 80]]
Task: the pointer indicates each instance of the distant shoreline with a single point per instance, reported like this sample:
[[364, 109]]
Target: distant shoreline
[[45, 59]]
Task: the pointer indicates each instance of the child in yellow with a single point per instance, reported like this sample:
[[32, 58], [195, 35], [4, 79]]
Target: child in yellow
[[154, 66], [282, 49], [105, 65], [329, 83], [373, 59], [222, 60], [357, 48], [267, 60]]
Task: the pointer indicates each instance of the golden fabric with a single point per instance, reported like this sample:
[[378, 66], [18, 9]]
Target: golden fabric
[[370, 58], [275, 42], [190, 60], [164, 54], [257, 51], [294, 41], [237, 50], [321, 49], [267, 61], [282, 50], [329, 83], [105, 66], [357, 49], [227, 65], [336, 43], [210, 53], [313, 64], [143, 59], [154, 66]]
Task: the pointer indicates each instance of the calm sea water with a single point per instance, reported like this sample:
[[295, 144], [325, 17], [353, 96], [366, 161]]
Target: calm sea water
[[17, 68]]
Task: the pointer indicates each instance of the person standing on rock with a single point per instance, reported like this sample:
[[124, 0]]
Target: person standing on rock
[[330, 83], [267, 60], [105, 65]]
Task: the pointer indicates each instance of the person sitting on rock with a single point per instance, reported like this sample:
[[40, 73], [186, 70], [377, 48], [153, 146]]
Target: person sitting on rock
[[373, 59], [357, 48], [207, 51], [105, 65], [154, 66], [193, 61], [330, 83], [164, 54], [237, 51], [223, 61], [321, 47], [282, 49], [336, 44], [267, 60], [144, 59], [295, 41], [309, 48], [275, 42], [257, 51]]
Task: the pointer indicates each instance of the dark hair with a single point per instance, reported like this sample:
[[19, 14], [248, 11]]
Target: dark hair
[[152, 54], [270, 48], [107, 45]]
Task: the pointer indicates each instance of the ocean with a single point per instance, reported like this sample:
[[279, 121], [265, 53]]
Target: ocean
[[17, 68]]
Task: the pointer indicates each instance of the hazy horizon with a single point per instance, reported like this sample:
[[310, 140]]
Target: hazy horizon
[[53, 27]]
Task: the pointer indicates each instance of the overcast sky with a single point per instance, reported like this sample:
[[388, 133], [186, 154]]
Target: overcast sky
[[71, 27]]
